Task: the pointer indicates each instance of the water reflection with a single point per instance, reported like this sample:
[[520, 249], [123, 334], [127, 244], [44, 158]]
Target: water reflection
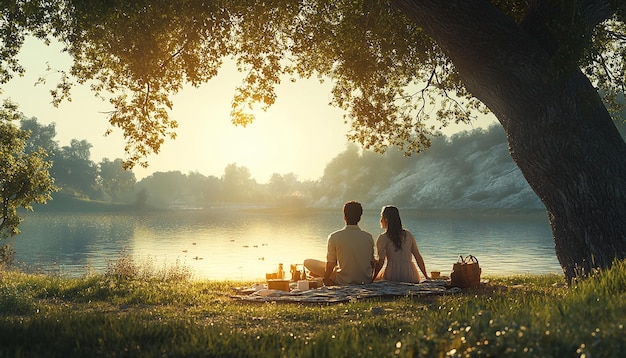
[[70, 243], [228, 244]]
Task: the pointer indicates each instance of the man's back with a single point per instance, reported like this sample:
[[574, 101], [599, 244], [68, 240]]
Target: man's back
[[353, 250]]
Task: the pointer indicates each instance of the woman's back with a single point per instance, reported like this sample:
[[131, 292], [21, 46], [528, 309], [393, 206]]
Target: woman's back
[[400, 266]]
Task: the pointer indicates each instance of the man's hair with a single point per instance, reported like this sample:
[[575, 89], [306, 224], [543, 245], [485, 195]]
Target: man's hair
[[352, 210]]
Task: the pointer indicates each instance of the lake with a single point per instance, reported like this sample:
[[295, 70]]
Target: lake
[[222, 244]]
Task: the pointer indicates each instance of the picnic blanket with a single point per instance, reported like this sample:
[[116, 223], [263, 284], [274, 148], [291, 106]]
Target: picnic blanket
[[335, 294]]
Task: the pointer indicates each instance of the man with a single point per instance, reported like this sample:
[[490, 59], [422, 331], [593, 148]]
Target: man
[[350, 253]]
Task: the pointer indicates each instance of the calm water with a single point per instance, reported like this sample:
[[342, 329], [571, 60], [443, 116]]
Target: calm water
[[218, 244]]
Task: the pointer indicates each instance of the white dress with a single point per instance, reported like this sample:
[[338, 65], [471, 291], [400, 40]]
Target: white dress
[[400, 265]]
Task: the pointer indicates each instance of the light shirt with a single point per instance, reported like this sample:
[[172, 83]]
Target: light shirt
[[400, 266], [353, 251]]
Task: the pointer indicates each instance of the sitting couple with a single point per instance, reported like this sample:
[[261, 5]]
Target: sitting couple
[[350, 253]]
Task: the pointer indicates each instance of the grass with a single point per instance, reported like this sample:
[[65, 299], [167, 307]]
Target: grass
[[138, 312]]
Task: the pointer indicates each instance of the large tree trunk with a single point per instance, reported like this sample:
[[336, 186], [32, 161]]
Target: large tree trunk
[[558, 130]]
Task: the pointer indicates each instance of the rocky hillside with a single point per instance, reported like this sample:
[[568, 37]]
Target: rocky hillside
[[468, 170]]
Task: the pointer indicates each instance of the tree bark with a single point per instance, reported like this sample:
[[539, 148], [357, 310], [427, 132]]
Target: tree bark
[[559, 132]]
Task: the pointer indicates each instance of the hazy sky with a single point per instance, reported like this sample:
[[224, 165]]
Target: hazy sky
[[299, 134]]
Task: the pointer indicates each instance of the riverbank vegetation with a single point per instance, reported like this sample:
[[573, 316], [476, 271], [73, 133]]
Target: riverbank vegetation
[[458, 171], [133, 310]]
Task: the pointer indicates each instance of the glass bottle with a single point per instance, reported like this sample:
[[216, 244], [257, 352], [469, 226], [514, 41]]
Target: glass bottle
[[281, 271]]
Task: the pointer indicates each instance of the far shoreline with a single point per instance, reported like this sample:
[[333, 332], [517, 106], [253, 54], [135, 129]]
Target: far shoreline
[[68, 203]]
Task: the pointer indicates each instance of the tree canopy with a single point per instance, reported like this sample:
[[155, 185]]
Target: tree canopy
[[24, 176], [387, 74]]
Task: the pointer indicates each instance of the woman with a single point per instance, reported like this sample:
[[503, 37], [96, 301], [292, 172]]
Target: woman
[[398, 247]]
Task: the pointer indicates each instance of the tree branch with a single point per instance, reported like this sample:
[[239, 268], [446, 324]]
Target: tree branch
[[595, 12], [174, 55], [5, 212]]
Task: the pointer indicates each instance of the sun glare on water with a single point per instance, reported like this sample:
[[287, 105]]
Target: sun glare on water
[[241, 252]]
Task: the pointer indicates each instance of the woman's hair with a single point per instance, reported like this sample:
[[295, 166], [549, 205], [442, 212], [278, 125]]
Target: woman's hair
[[394, 225]]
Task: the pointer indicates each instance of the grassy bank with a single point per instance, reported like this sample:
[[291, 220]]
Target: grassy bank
[[129, 312]]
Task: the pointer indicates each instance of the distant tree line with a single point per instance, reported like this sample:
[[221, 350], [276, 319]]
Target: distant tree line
[[464, 160], [73, 170], [75, 174]]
